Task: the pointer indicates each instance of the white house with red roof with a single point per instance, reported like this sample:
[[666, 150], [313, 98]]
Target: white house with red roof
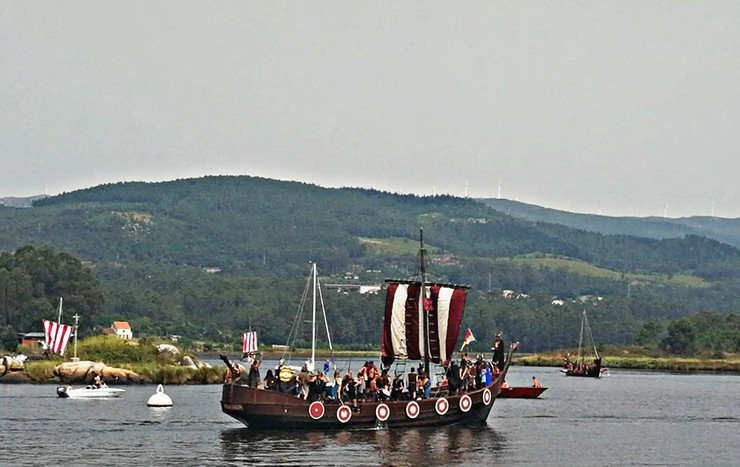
[[122, 329]]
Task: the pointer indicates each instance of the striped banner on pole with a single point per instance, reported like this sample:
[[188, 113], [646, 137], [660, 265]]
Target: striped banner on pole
[[57, 336], [249, 342]]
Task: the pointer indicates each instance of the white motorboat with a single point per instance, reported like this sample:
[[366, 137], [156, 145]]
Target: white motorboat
[[89, 392]]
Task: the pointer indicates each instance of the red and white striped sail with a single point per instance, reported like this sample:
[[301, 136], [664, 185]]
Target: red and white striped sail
[[249, 342], [57, 336], [403, 324]]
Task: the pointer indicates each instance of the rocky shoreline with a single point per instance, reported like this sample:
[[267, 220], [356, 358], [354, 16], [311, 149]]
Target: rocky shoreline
[[15, 370]]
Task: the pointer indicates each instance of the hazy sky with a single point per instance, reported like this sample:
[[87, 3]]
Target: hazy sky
[[618, 107]]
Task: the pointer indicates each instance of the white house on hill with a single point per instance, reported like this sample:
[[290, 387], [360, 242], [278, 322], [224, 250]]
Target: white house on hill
[[122, 329]]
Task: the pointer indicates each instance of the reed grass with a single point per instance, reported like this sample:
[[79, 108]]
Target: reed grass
[[41, 370], [643, 362]]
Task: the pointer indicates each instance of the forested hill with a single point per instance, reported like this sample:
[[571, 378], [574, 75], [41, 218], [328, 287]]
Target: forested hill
[[211, 256], [717, 228]]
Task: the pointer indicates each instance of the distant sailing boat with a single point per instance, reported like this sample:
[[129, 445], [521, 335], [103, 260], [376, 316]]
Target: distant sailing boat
[[581, 367], [421, 322]]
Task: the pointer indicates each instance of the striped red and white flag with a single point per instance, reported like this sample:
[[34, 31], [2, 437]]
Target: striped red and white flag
[[249, 342], [57, 336]]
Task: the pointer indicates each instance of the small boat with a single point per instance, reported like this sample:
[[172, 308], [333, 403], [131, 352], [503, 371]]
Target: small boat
[[521, 392], [89, 392], [421, 322], [581, 367]]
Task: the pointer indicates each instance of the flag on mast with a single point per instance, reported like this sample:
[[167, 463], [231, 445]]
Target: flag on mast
[[469, 337], [249, 342], [57, 336]]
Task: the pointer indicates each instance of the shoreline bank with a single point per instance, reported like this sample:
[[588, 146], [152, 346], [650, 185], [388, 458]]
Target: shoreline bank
[[672, 364]]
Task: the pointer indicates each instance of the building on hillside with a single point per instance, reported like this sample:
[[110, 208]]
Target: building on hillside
[[355, 288], [122, 329], [371, 289], [32, 338]]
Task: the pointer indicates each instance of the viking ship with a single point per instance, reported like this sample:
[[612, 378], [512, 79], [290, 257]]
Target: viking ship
[[421, 323], [582, 367]]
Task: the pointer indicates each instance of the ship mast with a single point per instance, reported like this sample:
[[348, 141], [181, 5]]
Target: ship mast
[[313, 321], [422, 263]]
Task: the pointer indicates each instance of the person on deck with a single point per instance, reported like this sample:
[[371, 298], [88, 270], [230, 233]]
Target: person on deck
[[372, 371], [304, 379], [427, 386], [420, 384], [499, 353], [397, 387], [412, 384], [253, 378], [453, 378], [337, 384], [317, 387], [535, 383], [270, 381], [232, 374], [97, 381], [347, 388], [464, 375]]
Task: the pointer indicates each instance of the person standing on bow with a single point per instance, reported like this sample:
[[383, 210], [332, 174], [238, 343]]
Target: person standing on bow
[[499, 354]]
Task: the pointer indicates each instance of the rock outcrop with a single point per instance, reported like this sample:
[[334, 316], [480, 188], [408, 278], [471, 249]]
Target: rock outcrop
[[84, 371], [191, 362], [168, 349], [8, 364]]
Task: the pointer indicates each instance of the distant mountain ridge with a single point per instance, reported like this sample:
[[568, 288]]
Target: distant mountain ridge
[[216, 255], [717, 228]]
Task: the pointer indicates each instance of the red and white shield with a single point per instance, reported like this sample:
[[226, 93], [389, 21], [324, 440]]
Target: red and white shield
[[382, 412], [412, 409], [441, 406], [466, 403], [344, 413], [486, 396], [316, 410]]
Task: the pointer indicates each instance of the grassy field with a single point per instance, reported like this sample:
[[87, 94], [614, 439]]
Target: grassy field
[[586, 269]]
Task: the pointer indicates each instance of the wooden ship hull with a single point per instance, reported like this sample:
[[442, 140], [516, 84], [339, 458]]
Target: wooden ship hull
[[522, 392], [264, 409], [589, 373]]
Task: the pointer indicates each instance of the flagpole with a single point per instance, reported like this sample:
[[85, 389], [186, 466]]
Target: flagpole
[[77, 319]]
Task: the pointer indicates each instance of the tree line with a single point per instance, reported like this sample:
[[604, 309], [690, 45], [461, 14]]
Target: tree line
[[142, 251]]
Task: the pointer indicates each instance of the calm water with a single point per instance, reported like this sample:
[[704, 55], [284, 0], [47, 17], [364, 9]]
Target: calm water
[[628, 418]]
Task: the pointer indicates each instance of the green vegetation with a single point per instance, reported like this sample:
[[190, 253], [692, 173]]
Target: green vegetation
[[139, 356], [114, 351], [209, 258], [642, 362], [40, 371], [540, 261]]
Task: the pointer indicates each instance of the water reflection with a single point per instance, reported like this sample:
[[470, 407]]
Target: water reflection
[[411, 446]]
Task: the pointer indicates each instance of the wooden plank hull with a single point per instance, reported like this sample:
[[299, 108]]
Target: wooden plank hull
[[261, 409], [522, 392], [589, 373]]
